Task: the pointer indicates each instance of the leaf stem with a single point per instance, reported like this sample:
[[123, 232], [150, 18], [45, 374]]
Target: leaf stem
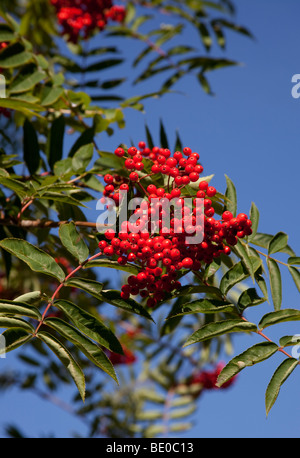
[[61, 285]]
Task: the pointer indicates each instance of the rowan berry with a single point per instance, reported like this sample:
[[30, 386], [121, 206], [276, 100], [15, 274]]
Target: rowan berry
[[119, 152], [134, 176]]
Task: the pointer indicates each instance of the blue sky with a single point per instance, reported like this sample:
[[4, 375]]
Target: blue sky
[[250, 131]]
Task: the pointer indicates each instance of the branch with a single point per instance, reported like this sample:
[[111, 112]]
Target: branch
[[39, 223]]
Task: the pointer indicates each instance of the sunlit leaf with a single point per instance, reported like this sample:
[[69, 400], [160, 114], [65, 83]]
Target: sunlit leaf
[[37, 259], [67, 360], [279, 377]]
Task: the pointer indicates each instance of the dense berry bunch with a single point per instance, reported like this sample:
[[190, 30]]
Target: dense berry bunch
[[160, 250], [208, 379], [80, 18]]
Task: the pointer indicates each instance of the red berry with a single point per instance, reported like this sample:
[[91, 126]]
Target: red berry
[[211, 191], [133, 176], [142, 145], [187, 151], [129, 164], [203, 185], [132, 151], [109, 234], [108, 178], [194, 176], [187, 263], [119, 152], [227, 216]]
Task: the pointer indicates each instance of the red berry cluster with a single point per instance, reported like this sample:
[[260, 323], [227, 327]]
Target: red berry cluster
[[64, 263], [159, 251], [127, 358], [113, 185], [208, 379], [80, 18], [5, 112]]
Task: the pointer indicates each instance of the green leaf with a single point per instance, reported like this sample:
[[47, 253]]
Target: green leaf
[[287, 341], [107, 263], [32, 298], [14, 56], [261, 282], [85, 138], [294, 260], [92, 287], [254, 217], [63, 168], [60, 197], [203, 306], [249, 298], [205, 35], [113, 297], [204, 83], [31, 147], [90, 325], [150, 142], [263, 240], [9, 322], [242, 252], [196, 289], [26, 80], [6, 33], [67, 360], [34, 257], [163, 136], [14, 338], [103, 64], [109, 160], [296, 276], [50, 95], [73, 241], [279, 377], [17, 186], [278, 243], [237, 273], [230, 194], [91, 350], [275, 283], [253, 355], [218, 328], [28, 108], [279, 316], [82, 158], [54, 147], [19, 308]]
